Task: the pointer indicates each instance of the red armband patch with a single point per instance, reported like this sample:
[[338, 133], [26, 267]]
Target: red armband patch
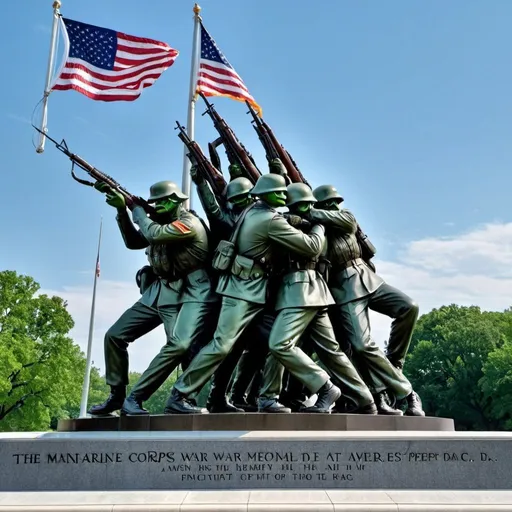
[[181, 227]]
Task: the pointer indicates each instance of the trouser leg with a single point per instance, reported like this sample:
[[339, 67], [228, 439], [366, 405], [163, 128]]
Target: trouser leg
[[288, 327], [395, 304], [183, 326], [337, 363], [204, 337], [355, 323], [131, 325], [235, 316], [250, 366], [224, 373]]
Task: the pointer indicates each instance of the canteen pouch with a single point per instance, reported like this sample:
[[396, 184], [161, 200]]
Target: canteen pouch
[[223, 256], [242, 267]]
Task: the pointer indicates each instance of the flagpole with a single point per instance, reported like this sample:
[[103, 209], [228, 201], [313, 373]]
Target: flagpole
[[49, 73], [87, 376], [185, 181]]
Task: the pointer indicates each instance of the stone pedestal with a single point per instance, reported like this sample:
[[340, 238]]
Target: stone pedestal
[[231, 460], [256, 422]]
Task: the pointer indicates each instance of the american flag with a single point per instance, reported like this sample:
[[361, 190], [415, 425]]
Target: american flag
[[217, 77], [110, 66], [98, 266]]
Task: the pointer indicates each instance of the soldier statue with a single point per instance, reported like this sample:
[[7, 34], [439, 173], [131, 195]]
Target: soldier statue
[[302, 311], [264, 234], [356, 288], [222, 220], [180, 296]]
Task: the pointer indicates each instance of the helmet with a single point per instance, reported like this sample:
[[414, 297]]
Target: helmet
[[238, 187], [326, 193], [165, 189], [269, 183], [299, 192]]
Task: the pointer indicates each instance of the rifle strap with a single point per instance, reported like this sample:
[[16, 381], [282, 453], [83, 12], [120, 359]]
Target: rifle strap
[[238, 225]]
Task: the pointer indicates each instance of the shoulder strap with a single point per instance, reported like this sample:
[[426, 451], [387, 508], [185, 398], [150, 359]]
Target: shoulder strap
[[238, 225]]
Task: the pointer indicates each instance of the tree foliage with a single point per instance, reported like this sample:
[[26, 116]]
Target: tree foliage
[[458, 365], [39, 362]]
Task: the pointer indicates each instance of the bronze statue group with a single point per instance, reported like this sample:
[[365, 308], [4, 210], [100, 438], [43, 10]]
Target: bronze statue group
[[272, 307]]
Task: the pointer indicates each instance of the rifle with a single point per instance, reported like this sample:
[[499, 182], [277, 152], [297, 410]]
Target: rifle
[[97, 175], [235, 150], [274, 149], [210, 173]]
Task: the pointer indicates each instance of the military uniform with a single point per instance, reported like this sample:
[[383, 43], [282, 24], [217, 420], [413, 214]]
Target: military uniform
[[245, 288], [181, 297], [356, 289], [222, 220], [302, 302]]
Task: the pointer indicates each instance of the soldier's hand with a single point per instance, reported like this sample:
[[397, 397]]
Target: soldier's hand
[[115, 199], [102, 187], [195, 175], [305, 225], [293, 220], [275, 166], [235, 171]]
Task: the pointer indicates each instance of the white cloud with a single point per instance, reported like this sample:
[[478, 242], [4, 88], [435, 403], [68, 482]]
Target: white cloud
[[473, 268]]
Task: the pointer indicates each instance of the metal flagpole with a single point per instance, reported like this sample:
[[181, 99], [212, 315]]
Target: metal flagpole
[[185, 182], [87, 376], [49, 73]]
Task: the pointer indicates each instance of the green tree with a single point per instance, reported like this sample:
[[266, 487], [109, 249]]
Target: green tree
[[39, 362], [496, 384], [450, 347]]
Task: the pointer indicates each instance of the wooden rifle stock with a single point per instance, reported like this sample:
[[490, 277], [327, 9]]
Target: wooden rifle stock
[[274, 149], [196, 156], [235, 150]]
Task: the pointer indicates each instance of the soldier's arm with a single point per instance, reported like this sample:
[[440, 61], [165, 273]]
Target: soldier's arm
[[210, 204], [163, 233], [295, 240], [341, 219], [133, 239]]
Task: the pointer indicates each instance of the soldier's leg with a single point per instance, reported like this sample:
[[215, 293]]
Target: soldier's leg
[[248, 378], [395, 304], [235, 316], [355, 322], [293, 392], [338, 364], [217, 398], [184, 325], [131, 325], [288, 327], [206, 335]]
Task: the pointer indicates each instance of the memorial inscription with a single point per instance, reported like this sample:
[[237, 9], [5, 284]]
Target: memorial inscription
[[207, 464]]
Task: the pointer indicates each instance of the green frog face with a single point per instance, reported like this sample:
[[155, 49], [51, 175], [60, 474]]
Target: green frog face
[[331, 204], [242, 201], [167, 204], [275, 199], [301, 208]]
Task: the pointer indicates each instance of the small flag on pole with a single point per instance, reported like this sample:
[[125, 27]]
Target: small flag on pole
[[98, 267], [107, 65], [217, 77]]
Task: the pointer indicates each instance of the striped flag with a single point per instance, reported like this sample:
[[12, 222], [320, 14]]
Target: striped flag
[[98, 266], [217, 77], [107, 65]]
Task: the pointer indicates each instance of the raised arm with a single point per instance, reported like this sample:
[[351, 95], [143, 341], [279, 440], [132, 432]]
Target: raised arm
[[296, 241], [176, 231], [341, 219]]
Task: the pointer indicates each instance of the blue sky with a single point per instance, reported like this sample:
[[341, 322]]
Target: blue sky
[[404, 106]]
